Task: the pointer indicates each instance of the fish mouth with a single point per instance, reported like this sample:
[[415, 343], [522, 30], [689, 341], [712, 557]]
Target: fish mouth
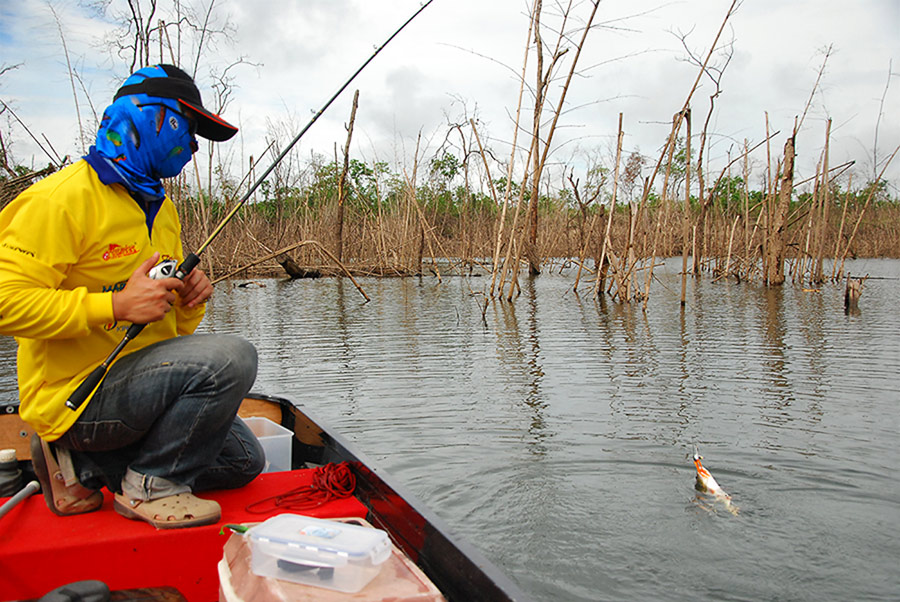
[[697, 456]]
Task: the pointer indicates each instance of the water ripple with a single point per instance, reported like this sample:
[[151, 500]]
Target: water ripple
[[554, 432]]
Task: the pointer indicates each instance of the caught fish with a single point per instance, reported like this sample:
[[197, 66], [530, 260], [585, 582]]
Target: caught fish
[[706, 483]]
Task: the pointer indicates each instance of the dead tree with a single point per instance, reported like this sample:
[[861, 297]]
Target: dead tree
[[342, 183], [775, 248], [852, 293], [541, 148]]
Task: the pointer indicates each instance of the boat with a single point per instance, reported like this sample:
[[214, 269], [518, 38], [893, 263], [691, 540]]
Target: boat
[[40, 551]]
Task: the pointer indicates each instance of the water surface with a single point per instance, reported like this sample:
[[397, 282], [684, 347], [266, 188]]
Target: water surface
[[554, 432]]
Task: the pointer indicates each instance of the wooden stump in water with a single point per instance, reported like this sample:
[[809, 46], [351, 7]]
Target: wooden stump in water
[[294, 270], [853, 292]]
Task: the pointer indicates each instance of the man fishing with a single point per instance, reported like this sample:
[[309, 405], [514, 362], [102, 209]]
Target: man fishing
[[77, 251]]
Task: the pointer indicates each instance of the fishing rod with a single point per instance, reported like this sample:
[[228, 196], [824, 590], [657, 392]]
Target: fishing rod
[[168, 269]]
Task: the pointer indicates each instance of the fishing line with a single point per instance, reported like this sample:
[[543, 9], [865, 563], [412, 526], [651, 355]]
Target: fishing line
[[329, 482], [92, 381]]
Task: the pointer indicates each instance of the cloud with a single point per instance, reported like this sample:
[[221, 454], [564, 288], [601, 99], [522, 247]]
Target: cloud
[[462, 58]]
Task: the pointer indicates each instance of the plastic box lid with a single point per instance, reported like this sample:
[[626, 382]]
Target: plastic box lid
[[321, 542]]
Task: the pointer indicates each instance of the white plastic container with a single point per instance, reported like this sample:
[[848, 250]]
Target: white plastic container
[[317, 552], [276, 441]]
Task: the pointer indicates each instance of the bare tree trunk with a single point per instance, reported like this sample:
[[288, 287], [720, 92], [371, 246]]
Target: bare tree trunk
[[531, 252], [543, 82], [420, 232], [501, 222], [852, 293], [686, 219], [81, 132], [604, 242], [776, 246], [840, 234], [826, 201], [342, 184], [746, 195]]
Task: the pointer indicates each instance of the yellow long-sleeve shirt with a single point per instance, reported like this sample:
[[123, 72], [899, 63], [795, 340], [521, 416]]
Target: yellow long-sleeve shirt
[[66, 244]]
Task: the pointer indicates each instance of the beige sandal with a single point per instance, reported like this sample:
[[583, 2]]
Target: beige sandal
[[171, 512], [63, 497]]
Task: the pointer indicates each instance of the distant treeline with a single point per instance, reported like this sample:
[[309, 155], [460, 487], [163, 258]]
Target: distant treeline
[[391, 227]]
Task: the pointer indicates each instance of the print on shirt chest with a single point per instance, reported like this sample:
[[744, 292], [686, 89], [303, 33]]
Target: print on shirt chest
[[116, 251]]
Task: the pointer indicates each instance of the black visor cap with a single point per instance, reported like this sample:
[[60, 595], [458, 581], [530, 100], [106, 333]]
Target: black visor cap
[[179, 86]]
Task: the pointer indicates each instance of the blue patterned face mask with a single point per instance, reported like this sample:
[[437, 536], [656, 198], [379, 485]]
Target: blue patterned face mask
[[146, 138]]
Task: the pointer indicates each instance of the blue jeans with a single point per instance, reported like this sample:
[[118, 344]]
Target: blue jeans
[[164, 420]]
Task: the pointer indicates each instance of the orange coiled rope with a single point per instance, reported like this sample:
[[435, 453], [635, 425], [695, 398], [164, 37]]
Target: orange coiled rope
[[330, 482]]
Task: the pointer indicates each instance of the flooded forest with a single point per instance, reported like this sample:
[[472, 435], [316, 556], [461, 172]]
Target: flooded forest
[[468, 209]]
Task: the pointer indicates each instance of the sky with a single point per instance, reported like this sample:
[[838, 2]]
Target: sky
[[461, 59]]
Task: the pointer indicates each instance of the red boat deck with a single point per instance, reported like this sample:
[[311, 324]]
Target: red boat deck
[[40, 551]]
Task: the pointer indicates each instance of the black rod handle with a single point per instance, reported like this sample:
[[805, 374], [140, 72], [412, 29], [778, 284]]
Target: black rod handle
[[93, 379], [86, 387], [189, 263]]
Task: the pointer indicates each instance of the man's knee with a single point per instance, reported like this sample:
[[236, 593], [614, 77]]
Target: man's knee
[[241, 355], [231, 356]]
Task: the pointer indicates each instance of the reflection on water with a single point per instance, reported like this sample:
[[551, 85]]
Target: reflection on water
[[554, 432]]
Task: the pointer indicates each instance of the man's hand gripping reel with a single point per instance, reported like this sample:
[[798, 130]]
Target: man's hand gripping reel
[[168, 268]]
